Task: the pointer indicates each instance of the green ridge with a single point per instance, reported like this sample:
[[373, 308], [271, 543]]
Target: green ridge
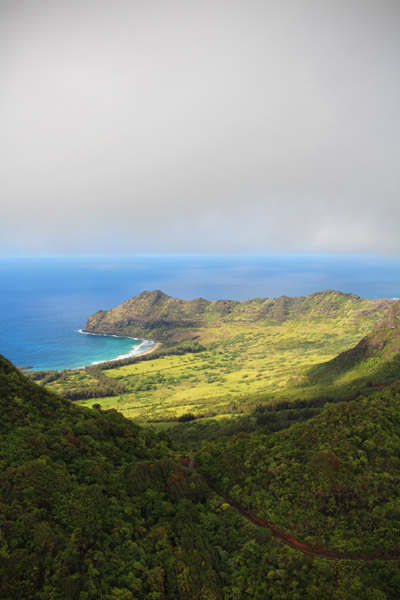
[[158, 316]]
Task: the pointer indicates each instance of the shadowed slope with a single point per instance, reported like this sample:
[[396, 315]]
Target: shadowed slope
[[375, 360], [85, 495]]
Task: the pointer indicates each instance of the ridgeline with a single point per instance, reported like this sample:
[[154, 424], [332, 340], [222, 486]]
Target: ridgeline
[[158, 316]]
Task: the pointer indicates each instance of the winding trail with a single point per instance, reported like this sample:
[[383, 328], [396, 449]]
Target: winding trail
[[289, 541]]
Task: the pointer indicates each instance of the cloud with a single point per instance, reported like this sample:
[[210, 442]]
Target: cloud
[[199, 127]]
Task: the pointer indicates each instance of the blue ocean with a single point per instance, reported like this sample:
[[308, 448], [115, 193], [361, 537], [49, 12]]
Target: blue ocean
[[45, 301]]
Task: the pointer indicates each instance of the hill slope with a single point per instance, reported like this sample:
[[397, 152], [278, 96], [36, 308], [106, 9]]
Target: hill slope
[[375, 360], [332, 483], [158, 316], [382, 342], [93, 507]]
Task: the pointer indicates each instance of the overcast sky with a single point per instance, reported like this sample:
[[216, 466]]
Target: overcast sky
[[199, 126]]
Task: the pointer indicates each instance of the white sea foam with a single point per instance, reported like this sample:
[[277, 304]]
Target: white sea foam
[[136, 350]]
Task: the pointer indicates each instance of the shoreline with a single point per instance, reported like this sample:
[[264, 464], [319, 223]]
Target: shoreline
[[130, 354], [156, 345]]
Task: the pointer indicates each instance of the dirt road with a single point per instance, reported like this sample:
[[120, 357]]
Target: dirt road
[[289, 541]]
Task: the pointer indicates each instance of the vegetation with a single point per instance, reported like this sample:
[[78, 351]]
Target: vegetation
[[270, 417], [154, 315], [258, 355], [285, 421], [94, 507], [332, 483], [374, 361], [80, 384]]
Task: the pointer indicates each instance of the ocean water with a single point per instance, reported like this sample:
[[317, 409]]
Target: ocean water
[[45, 301]]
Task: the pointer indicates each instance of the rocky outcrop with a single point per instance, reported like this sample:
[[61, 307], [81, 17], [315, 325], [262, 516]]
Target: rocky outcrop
[[391, 320]]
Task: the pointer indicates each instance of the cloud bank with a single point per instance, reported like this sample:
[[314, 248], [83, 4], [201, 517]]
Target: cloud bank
[[175, 126]]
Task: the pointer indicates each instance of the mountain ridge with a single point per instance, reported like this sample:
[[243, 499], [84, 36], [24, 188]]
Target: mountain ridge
[[164, 318]]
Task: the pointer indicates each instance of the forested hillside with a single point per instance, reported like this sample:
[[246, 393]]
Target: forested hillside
[[94, 507], [332, 483]]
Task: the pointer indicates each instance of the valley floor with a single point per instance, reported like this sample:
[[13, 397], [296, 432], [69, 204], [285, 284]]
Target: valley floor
[[241, 366]]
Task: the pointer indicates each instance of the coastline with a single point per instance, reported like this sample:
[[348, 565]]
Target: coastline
[[156, 345], [122, 356]]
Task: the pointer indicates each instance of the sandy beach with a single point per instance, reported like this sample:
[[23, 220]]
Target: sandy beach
[[157, 345]]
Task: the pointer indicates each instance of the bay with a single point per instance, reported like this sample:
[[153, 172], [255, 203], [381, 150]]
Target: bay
[[45, 300]]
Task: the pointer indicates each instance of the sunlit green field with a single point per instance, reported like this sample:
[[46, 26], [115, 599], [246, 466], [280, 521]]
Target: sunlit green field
[[258, 360]]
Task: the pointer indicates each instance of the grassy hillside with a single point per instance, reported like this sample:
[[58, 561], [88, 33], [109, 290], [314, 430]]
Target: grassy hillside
[[92, 507], [332, 483], [157, 316], [374, 361]]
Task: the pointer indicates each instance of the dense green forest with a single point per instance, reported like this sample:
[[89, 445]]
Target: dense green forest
[[93, 506], [333, 483]]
